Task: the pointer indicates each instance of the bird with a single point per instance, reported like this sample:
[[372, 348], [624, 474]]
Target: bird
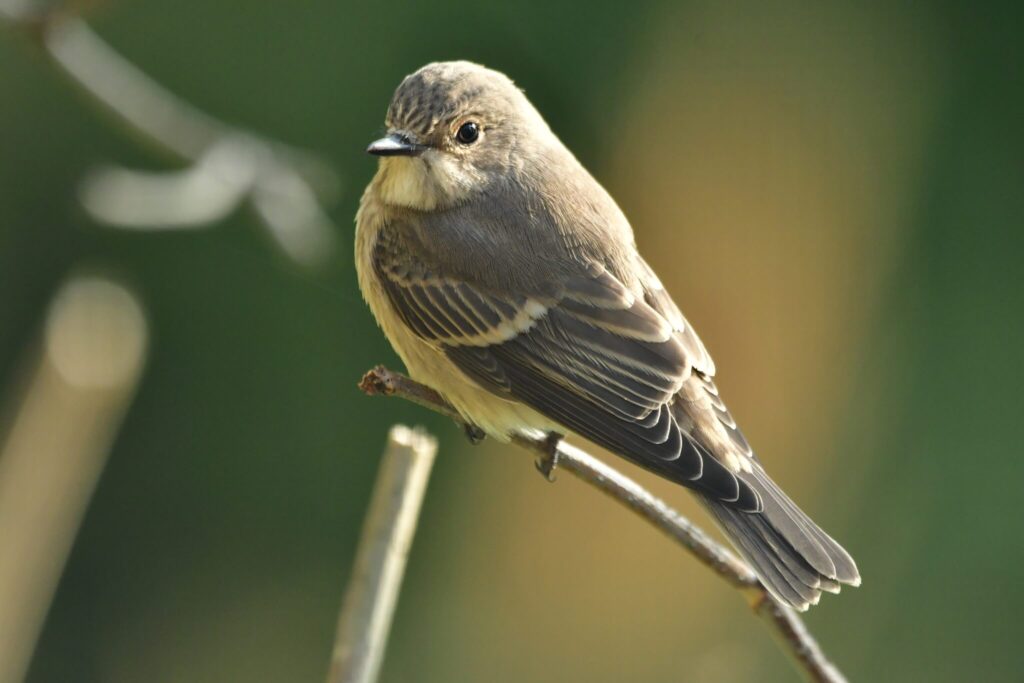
[[508, 280]]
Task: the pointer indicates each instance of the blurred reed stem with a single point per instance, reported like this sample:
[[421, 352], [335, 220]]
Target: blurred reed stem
[[63, 424]]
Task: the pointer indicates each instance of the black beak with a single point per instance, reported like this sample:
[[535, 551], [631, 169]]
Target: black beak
[[395, 145]]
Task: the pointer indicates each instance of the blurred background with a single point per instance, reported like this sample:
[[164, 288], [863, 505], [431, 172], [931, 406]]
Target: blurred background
[[834, 193]]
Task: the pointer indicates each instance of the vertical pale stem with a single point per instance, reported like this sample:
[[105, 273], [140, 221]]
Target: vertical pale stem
[[372, 592], [64, 422]]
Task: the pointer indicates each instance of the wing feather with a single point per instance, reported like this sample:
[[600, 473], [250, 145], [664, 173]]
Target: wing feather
[[590, 353]]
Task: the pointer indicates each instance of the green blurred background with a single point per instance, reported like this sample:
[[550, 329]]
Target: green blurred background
[[834, 192]]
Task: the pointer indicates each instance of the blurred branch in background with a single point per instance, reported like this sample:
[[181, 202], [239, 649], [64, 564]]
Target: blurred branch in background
[[783, 621], [93, 351], [229, 167], [388, 531]]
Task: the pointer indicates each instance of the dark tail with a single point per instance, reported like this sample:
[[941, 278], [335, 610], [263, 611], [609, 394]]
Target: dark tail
[[792, 556]]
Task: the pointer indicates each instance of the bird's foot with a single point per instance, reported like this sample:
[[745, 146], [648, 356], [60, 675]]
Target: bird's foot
[[548, 461], [473, 433]]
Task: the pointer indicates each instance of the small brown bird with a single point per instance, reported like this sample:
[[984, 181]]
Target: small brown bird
[[508, 280]]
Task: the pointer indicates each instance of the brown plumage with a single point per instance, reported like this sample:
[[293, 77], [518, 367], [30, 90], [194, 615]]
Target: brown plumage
[[508, 279]]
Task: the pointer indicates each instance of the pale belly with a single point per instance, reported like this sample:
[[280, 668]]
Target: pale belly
[[498, 417]]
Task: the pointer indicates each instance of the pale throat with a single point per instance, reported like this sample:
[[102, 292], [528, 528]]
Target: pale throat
[[421, 183]]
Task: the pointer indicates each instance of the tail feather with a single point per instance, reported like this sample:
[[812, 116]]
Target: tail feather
[[776, 573], [792, 556], [845, 568]]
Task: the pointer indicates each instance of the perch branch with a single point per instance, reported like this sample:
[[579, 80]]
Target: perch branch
[[783, 621], [372, 592]]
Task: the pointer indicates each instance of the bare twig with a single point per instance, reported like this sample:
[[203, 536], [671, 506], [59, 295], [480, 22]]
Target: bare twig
[[228, 167], [783, 621], [380, 561], [791, 631], [83, 378]]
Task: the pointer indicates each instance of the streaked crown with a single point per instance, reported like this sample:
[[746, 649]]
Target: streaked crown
[[443, 90]]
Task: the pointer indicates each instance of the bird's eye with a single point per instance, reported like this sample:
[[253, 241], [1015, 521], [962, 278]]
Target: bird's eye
[[468, 133]]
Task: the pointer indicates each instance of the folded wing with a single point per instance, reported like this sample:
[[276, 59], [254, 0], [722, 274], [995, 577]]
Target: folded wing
[[586, 351]]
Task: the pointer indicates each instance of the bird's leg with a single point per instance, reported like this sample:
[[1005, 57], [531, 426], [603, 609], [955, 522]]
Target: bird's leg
[[547, 462], [473, 433]]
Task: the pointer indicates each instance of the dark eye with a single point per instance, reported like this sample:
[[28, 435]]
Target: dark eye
[[468, 133]]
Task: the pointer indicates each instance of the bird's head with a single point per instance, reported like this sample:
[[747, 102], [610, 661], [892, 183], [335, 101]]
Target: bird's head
[[454, 129]]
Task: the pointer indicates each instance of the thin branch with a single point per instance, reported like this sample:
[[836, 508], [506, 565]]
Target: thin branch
[[782, 620], [228, 167], [791, 631], [372, 593]]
